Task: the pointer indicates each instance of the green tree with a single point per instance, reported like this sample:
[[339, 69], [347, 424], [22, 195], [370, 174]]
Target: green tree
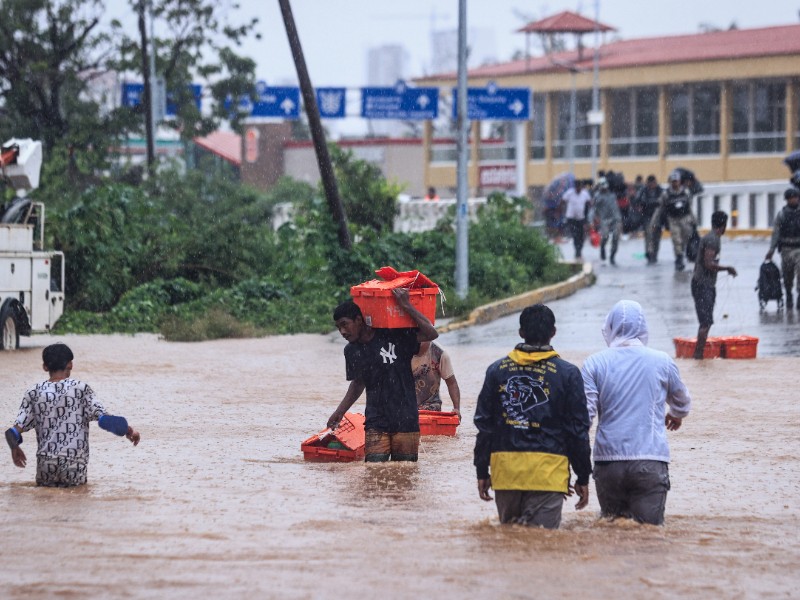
[[194, 40], [370, 201], [51, 51]]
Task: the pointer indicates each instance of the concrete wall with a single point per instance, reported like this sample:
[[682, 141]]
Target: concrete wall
[[401, 161]]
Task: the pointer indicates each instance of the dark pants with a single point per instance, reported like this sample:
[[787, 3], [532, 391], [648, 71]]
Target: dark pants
[[704, 296], [534, 509], [577, 229], [635, 489]]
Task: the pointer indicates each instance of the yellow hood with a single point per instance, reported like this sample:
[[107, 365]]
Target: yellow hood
[[527, 358]]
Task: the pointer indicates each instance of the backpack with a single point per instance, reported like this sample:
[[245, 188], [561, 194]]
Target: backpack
[[769, 284]]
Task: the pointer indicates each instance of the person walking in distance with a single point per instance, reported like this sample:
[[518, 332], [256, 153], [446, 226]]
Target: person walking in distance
[[533, 426], [608, 218], [676, 201], [637, 395], [577, 200], [648, 198], [704, 278], [786, 239]]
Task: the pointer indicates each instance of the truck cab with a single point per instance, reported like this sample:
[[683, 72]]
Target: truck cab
[[31, 278]]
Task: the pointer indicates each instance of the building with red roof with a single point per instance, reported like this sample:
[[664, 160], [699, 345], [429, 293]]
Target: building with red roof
[[725, 104]]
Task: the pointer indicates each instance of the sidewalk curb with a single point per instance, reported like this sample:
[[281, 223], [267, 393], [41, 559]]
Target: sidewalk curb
[[508, 306]]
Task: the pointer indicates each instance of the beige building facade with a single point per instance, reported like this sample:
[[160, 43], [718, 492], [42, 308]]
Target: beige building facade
[[723, 104]]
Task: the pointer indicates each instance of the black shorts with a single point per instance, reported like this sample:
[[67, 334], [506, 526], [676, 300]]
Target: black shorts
[[704, 297]]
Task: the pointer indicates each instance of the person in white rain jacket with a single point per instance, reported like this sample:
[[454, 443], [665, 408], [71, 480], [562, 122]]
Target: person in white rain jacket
[[628, 388]]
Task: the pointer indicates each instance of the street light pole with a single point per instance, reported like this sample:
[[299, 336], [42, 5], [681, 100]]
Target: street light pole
[[462, 184], [595, 85], [573, 111]]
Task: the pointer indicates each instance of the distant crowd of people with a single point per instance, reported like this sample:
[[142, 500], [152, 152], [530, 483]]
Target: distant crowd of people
[[610, 207]]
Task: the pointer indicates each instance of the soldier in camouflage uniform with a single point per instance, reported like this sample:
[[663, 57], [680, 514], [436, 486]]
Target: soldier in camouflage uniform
[[676, 202]]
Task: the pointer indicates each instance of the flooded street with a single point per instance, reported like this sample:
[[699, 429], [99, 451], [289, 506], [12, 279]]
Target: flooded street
[[217, 501]]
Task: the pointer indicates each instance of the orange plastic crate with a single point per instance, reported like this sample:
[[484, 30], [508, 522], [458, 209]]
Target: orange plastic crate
[[348, 440], [740, 346], [380, 309], [684, 347], [434, 422]]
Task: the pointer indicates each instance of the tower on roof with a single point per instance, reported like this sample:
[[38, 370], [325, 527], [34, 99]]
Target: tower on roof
[[563, 22]]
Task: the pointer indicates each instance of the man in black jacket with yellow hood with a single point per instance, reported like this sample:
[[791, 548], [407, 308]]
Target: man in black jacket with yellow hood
[[533, 425]]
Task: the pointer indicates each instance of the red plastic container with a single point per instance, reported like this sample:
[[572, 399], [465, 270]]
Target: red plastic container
[[434, 422], [740, 346], [380, 309], [346, 444], [684, 347]]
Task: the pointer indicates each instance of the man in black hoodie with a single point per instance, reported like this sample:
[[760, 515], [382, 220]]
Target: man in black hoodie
[[533, 425]]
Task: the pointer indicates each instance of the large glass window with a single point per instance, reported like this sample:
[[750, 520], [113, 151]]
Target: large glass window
[[538, 129], [582, 146], [694, 120], [634, 122], [759, 117]]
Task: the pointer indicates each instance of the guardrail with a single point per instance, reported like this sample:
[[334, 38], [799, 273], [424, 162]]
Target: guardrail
[[751, 206]]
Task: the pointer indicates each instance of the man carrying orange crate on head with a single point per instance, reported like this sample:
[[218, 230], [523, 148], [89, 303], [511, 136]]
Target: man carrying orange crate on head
[[379, 360]]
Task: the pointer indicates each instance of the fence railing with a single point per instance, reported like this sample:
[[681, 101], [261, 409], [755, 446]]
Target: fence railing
[[750, 206]]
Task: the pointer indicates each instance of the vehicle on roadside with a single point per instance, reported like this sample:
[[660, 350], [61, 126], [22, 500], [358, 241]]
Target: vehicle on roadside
[[31, 278]]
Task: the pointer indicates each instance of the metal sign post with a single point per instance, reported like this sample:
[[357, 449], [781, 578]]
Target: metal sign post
[[462, 184]]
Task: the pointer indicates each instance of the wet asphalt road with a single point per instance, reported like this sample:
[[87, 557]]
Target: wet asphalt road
[[666, 299]]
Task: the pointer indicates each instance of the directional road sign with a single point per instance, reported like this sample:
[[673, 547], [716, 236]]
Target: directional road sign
[[133, 95], [283, 102], [496, 103], [400, 102], [331, 102], [197, 94]]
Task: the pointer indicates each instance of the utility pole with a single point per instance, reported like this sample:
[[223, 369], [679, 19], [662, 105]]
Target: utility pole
[[462, 184], [595, 86], [315, 124], [147, 93]]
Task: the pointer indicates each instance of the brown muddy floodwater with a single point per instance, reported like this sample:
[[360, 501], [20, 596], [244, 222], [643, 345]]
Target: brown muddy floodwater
[[217, 502]]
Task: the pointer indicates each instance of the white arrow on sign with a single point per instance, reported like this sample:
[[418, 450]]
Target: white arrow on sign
[[287, 105], [423, 101], [516, 106]]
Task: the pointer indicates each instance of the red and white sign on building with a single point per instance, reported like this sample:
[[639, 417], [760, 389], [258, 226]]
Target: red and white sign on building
[[498, 176], [251, 145]]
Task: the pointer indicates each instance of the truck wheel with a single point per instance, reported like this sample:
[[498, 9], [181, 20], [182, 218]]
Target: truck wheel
[[9, 335]]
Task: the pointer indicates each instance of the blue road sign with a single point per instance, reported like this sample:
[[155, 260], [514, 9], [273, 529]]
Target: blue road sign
[[331, 102], [132, 94], [197, 93], [400, 102], [492, 102], [282, 102]]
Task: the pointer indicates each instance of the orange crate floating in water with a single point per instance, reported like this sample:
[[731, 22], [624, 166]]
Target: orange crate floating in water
[[346, 444], [684, 347], [434, 422], [740, 346], [380, 309]]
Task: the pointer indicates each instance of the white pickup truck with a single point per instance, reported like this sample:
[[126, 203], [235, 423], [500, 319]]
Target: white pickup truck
[[31, 278]]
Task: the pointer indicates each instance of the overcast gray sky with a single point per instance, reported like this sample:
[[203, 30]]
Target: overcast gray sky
[[336, 34]]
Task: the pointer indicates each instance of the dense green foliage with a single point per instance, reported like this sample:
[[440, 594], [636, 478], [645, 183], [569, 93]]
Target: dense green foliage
[[61, 62], [197, 258]]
